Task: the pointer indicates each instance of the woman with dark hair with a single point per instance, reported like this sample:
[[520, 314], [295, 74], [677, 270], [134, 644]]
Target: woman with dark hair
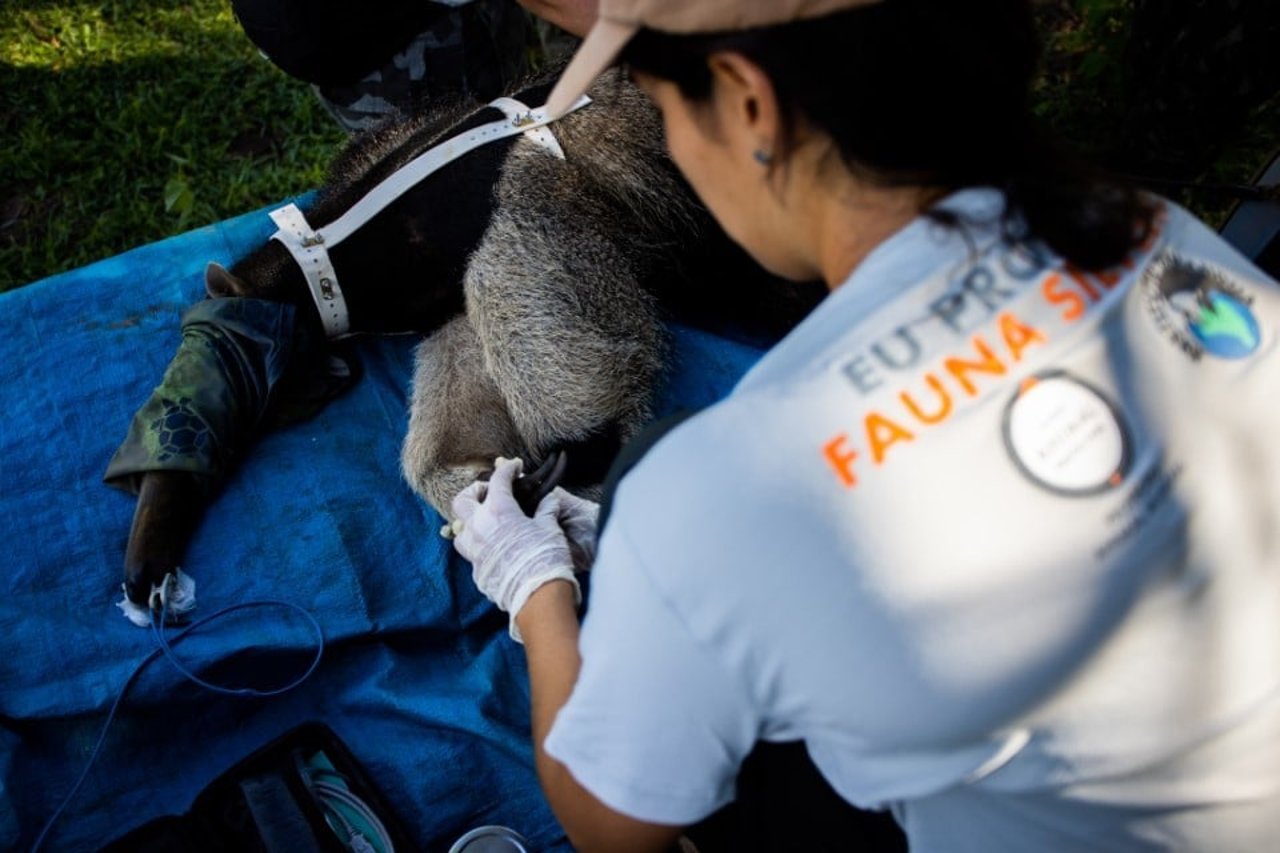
[[992, 533]]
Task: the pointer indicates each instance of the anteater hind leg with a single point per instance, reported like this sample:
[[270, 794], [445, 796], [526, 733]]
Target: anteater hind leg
[[569, 336], [458, 422]]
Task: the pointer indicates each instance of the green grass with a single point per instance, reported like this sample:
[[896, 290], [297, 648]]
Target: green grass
[[125, 122]]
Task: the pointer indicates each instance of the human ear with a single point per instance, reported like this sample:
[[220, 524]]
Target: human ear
[[747, 103]]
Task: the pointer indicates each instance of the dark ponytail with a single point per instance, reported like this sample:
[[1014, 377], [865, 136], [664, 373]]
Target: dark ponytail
[[933, 93]]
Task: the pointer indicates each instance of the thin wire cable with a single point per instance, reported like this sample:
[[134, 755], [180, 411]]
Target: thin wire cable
[[165, 647], [157, 630]]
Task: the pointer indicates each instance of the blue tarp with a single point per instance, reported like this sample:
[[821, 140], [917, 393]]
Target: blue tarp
[[418, 678]]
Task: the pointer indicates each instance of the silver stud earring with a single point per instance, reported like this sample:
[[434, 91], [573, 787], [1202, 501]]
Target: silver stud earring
[[764, 158]]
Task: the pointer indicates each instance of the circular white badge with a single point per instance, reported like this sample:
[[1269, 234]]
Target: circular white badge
[[1065, 436]]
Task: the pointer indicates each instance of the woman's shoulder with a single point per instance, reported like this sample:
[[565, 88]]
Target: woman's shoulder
[[715, 488]]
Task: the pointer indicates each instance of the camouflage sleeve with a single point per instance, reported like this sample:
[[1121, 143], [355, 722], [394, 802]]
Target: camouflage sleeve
[[214, 394]]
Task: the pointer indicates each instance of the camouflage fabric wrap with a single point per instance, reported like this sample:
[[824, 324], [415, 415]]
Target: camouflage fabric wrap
[[214, 394]]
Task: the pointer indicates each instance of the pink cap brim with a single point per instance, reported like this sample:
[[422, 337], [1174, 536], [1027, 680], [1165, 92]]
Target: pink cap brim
[[597, 52]]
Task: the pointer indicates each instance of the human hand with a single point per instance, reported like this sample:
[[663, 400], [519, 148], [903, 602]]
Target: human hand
[[577, 517], [511, 554]]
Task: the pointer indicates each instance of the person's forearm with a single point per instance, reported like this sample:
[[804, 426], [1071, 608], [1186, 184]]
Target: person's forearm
[[574, 16], [549, 625]]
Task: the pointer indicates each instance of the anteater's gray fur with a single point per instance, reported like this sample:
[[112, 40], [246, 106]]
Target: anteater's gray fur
[[560, 337]]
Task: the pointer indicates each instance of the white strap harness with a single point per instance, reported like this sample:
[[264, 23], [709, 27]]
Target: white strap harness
[[309, 246]]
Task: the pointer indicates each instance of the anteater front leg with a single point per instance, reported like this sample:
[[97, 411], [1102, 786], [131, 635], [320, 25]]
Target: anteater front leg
[[205, 412]]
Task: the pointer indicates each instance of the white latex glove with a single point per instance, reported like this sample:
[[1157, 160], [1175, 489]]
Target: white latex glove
[[511, 554], [577, 517]]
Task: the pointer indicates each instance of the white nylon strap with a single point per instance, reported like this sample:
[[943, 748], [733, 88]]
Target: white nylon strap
[[417, 169], [310, 247]]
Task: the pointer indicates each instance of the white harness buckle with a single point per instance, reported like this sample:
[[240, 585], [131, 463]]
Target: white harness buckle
[[310, 247], [521, 116]]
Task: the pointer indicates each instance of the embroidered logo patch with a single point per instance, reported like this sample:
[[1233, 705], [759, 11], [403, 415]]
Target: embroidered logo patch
[[1201, 308], [1065, 436]]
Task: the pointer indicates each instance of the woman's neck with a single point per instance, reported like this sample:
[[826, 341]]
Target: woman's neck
[[849, 225], [837, 218]]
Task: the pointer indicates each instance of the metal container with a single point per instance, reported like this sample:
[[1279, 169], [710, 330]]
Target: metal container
[[491, 839]]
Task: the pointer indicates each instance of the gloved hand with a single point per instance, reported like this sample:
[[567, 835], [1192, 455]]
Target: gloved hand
[[511, 554], [578, 519]]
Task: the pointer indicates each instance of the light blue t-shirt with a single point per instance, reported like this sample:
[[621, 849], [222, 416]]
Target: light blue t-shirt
[[998, 539]]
